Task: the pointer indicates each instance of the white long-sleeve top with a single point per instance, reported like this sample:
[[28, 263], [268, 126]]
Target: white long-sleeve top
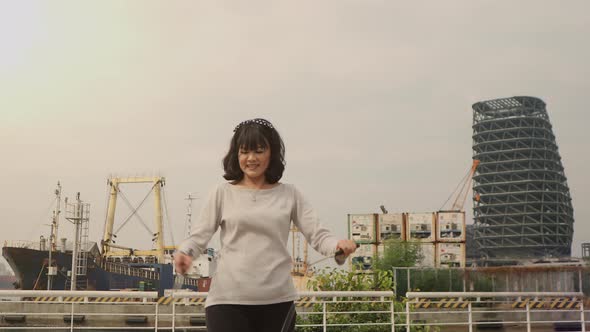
[[254, 263]]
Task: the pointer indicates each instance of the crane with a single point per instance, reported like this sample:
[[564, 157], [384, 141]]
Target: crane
[[300, 266], [460, 192]]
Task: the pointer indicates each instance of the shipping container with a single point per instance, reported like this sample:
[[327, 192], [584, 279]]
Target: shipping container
[[450, 226], [391, 226], [362, 227], [420, 227], [428, 251], [363, 257], [450, 254]]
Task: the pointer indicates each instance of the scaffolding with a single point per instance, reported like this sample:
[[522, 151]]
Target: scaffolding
[[522, 204]]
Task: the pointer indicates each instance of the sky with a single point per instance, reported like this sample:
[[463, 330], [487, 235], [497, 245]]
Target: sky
[[372, 98]]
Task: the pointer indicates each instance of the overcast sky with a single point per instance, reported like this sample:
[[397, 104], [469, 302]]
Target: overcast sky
[[373, 98]]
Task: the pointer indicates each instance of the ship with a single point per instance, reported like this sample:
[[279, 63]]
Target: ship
[[104, 265]]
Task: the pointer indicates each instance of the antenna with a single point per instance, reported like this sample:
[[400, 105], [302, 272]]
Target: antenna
[[189, 212], [51, 270]]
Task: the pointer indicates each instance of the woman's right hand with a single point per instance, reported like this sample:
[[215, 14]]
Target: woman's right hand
[[182, 262]]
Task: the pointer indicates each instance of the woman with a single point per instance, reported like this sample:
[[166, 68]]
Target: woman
[[252, 289]]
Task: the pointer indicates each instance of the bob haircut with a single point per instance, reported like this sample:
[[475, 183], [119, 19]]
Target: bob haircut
[[251, 135]]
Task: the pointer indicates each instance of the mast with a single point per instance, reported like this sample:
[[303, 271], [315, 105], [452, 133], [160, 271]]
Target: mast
[[76, 220], [77, 213], [108, 229], [53, 237], [159, 224], [189, 213]]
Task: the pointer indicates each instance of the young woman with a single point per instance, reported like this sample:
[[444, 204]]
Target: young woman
[[252, 289]]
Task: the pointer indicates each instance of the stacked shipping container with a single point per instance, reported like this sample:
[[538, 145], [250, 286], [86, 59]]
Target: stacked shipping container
[[362, 228], [450, 239], [440, 235], [421, 229]]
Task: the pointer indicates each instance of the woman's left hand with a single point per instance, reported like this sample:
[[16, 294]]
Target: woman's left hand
[[348, 246]]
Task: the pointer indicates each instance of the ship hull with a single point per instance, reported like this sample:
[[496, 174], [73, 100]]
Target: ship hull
[[30, 269]]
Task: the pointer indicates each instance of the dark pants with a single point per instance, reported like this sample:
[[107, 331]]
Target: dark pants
[[250, 318]]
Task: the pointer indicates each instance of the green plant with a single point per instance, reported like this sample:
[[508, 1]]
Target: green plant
[[399, 254], [365, 309]]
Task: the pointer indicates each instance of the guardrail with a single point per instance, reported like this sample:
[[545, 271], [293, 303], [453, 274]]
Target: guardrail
[[113, 310], [521, 311], [129, 270], [323, 309], [317, 311], [23, 244]]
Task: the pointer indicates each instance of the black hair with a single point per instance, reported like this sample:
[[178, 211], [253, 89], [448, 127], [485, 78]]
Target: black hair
[[252, 135]]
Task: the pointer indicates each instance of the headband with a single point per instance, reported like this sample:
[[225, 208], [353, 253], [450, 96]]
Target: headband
[[258, 121]]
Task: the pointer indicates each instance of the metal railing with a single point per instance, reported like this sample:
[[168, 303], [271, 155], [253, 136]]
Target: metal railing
[[519, 311], [330, 310], [23, 244], [316, 311], [184, 310], [129, 271], [57, 310]]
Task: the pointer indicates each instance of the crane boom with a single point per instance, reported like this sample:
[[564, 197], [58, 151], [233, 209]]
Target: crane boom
[[462, 189]]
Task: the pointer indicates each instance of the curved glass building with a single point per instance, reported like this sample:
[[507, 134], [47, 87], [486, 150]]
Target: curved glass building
[[522, 203]]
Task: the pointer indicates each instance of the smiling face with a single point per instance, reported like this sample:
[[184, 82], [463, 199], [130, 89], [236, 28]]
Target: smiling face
[[256, 155], [254, 162]]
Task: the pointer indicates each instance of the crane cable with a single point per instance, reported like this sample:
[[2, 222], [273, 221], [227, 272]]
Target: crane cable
[[168, 222], [134, 211]]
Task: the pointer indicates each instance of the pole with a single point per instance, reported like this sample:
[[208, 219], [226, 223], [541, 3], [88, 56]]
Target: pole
[[77, 221], [173, 314], [108, 227], [324, 321], [528, 317], [392, 315], [189, 213], [407, 316], [470, 317], [582, 316], [53, 237], [159, 226]]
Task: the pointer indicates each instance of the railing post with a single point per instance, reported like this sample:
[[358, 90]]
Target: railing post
[[392, 315], [582, 316], [408, 315], [470, 317], [72, 318], [528, 317], [156, 318], [173, 314], [324, 318]]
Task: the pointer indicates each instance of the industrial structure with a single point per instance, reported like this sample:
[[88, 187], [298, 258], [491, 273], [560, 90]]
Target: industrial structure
[[522, 204]]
